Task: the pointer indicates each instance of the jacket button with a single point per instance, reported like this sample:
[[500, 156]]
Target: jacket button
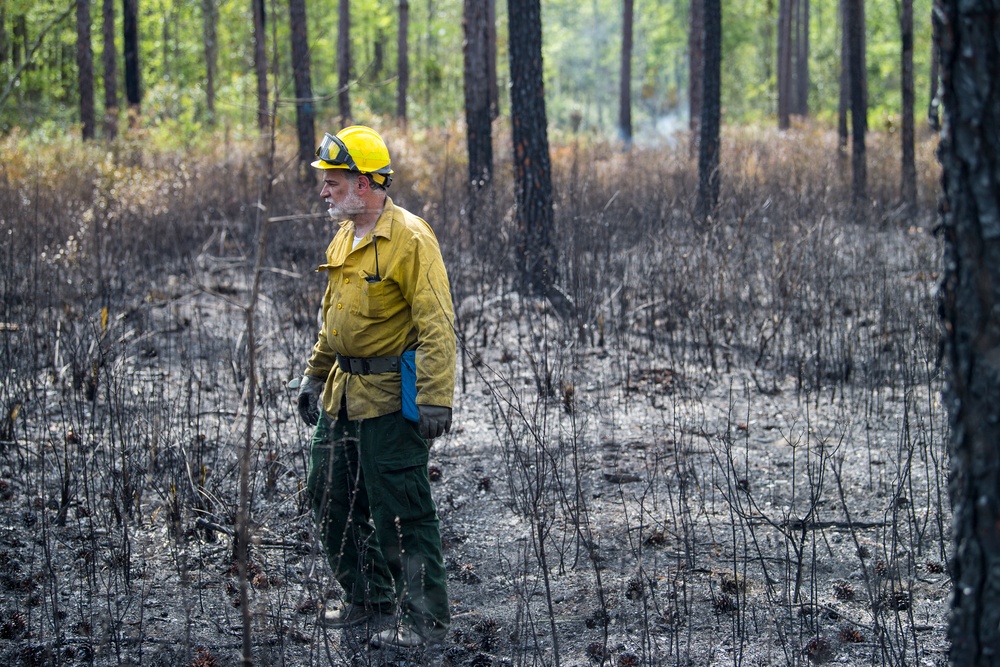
[[340, 306], [347, 280], [333, 332]]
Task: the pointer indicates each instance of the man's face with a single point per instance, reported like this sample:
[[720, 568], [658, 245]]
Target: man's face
[[340, 191]]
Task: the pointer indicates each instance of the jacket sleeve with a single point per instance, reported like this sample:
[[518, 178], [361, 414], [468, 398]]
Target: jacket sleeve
[[428, 292]]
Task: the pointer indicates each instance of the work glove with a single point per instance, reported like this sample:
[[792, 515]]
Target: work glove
[[435, 420], [310, 390]]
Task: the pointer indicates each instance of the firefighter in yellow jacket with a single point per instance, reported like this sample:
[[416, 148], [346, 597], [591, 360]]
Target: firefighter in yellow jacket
[[387, 297]]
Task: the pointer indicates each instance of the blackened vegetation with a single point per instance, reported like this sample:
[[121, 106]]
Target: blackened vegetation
[[730, 448]]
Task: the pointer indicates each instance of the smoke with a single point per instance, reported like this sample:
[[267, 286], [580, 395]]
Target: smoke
[[664, 130]]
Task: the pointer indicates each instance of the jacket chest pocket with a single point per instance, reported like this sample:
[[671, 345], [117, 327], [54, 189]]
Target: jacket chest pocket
[[372, 302]]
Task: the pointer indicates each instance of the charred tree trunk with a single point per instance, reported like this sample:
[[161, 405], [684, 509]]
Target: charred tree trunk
[[625, 82], [491, 58], [403, 60], [784, 63], [85, 67], [479, 133], [908, 186], [970, 147], [210, 19], [862, 38], [304, 114], [260, 62], [845, 79], [696, 69], [109, 58], [130, 29], [859, 109], [708, 151], [933, 106], [802, 58], [344, 62], [793, 104], [532, 163]]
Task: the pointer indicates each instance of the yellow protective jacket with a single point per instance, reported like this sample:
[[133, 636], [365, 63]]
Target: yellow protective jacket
[[407, 308]]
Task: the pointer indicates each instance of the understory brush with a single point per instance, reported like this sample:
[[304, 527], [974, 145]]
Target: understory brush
[[724, 446]]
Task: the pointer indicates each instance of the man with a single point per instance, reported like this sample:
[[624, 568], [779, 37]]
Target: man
[[387, 294]]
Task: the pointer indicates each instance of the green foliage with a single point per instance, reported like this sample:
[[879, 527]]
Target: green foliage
[[582, 43], [748, 61]]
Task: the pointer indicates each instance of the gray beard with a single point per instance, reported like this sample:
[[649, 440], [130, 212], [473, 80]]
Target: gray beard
[[349, 207]]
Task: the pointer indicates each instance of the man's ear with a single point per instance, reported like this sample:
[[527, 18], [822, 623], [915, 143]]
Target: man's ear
[[364, 182]]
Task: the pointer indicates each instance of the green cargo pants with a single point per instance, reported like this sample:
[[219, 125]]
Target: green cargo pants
[[371, 499]]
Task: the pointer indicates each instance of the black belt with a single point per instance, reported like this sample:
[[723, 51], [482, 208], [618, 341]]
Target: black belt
[[368, 365]]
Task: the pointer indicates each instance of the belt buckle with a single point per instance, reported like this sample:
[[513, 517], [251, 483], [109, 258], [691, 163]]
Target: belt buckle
[[350, 364]]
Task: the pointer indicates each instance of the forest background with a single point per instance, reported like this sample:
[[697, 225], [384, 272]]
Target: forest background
[[581, 47], [720, 440]]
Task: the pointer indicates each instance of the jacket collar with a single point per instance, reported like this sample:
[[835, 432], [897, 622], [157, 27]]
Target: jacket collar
[[383, 226]]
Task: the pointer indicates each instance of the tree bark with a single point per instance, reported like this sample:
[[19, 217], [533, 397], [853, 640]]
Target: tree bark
[[478, 121], [260, 63], [4, 41], [491, 58], [845, 78], [532, 165], [767, 37], [130, 29], [344, 62], [165, 43], [708, 152], [696, 69], [210, 18], [784, 63], [378, 55], [864, 62], [908, 186], [793, 104], [625, 81], [304, 114], [403, 62], [802, 58], [109, 58], [970, 292], [19, 40], [933, 106], [85, 67], [431, 75], [859, 110], [19, 51]]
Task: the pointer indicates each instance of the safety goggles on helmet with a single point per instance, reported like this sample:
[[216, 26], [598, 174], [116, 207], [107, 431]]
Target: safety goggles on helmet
[[342, 157]]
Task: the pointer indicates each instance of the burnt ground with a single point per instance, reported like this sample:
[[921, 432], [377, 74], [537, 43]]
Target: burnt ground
[[601, 501]]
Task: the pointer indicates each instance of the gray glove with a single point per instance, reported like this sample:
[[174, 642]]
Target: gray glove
[[435, 420], [310, 390]]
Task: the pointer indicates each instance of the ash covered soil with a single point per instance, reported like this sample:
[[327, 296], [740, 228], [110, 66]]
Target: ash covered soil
[[600, 502]]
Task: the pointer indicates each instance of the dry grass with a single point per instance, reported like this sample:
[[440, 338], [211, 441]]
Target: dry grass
[[733, 440]]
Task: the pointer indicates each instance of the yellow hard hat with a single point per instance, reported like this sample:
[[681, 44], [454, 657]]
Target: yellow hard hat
[[359, 149]]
